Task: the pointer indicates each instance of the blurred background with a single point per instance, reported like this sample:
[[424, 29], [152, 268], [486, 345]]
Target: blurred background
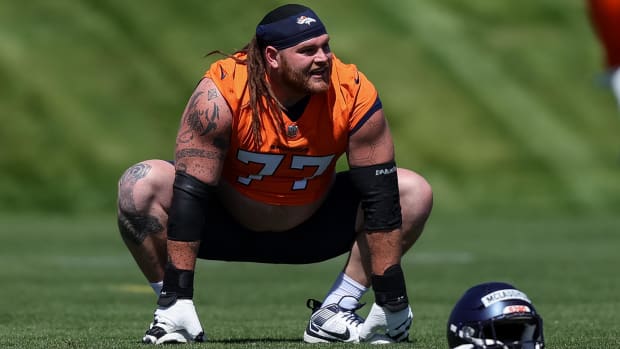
[[499, 104]]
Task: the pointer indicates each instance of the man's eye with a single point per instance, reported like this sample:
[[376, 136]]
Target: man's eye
[[308, 51]]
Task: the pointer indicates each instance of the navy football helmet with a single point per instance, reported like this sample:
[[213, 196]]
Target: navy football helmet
[[495, 315]]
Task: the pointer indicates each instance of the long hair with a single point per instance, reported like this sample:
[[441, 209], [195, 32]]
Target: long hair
[[258, 88]]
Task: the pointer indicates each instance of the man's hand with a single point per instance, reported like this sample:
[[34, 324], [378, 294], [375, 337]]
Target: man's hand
[[383, 326], [177, 323]]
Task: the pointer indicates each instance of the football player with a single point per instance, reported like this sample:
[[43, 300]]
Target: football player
[[254, 179]]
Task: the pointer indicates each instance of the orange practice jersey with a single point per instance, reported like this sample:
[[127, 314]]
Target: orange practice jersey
[[294, 166], [605, 16]]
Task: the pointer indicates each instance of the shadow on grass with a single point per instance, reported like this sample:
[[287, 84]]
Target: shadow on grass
[[255, 340]]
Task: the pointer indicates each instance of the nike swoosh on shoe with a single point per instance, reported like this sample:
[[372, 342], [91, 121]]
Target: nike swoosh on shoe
[[343, 336]]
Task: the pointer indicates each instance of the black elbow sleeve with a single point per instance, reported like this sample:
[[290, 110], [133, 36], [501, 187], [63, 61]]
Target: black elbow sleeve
[[187, 217], [380, 197]]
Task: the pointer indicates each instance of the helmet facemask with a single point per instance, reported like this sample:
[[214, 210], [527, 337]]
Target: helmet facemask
[[505, 332]]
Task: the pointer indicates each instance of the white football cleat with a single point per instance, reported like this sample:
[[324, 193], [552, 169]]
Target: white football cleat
[[383, 326], [177, 323], [332, 324]]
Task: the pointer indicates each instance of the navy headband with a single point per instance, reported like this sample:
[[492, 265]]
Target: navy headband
[[291, 30]]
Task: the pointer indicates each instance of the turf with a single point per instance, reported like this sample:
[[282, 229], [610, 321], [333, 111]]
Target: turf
[[69, 283]]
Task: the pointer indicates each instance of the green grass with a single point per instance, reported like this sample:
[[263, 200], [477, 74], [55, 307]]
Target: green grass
[[70, 283]]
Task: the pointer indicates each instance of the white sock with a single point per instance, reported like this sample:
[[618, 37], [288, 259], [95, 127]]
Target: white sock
[[346, 292], [157, 286]]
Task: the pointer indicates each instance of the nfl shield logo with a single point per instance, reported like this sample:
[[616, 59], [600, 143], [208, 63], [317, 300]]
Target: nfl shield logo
[[291, 131]]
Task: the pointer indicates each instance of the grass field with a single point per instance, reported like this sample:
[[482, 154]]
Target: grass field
[[71, 284]]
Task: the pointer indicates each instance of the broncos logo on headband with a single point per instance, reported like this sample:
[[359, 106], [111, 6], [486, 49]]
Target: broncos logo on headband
[[305, 20]]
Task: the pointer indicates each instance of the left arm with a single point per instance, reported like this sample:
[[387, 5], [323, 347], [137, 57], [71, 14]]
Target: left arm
[[373, 172], [369, 146]]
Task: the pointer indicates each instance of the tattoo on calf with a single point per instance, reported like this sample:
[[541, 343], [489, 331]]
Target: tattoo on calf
[[134, 226]]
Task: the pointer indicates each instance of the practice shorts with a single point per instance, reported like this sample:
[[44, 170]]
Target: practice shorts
[[329, 233]]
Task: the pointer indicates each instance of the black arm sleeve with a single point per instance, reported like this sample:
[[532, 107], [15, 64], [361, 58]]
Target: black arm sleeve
[[378, 186], [187, 217]]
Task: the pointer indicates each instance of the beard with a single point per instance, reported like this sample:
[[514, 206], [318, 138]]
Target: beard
[[303, 81]]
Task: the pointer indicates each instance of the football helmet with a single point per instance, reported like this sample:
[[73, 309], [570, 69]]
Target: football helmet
[[495, 315]]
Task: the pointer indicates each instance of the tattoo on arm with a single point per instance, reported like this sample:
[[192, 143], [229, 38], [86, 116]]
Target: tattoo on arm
[[212, 93], [185, 137], [211, 125], [194, 114], [197, 153], [181, 166], [202, 118]]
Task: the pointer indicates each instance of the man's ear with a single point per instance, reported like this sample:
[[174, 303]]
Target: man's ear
[[271, 57]]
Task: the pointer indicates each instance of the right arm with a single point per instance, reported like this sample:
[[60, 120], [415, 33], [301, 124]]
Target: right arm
[[202, 143], [204, 134], [201, 147]]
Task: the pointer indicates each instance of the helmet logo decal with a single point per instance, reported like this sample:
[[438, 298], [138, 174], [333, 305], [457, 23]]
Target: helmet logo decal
[[305, 20], [502, 295], [512, 309]]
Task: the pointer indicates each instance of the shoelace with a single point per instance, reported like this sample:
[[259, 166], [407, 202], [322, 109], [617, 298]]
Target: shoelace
[[351, 317], [349, 314]]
